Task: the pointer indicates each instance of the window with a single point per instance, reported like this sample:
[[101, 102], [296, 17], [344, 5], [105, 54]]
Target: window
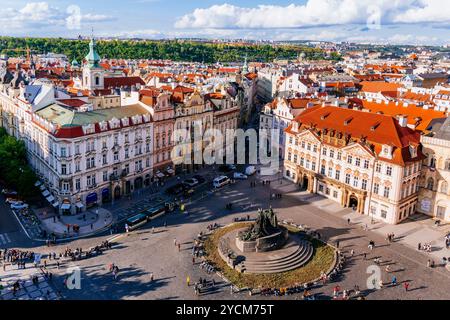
[[77, 166], [63, 152], [386, 192], [378, 167], [307, 164], [105, 176], [324, 151], [322, 169], [90, 163], [364, 184], [77, 184], [349, 159], [290, 140], [331, 153], [127, 153], [355, 182], [77, 149], [116, 156], [339, 155], [315, 149], [358, 162], [444, 187], [289, 156], [303, 144], [97, 81], [383, 213], [430, 184], [295, 158], [302, 161], [104, 159], [389, 170], [313, 166], [337, 175], [309, 147], [366, 164], [330, 172], [347, 178], [376, 188], [63, 169], [335, 194]]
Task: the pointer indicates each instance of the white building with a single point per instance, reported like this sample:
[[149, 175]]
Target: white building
[[366, 161]]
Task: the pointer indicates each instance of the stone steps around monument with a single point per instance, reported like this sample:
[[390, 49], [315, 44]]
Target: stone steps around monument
[[300, 249], [301, 256]]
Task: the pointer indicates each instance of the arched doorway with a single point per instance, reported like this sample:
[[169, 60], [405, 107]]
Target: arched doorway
[[117, 192], [353, 202], [305, 183]]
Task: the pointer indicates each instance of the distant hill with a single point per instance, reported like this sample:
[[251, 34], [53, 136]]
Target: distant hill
[[177, 50]]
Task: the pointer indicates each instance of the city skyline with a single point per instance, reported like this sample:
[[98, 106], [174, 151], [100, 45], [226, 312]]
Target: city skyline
[[399, 22]]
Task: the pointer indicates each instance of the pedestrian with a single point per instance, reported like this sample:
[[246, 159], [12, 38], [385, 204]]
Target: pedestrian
[[179, 247], [348, 221], [419, 246], [428, 263], [127, 228], [394, 281], [193, 260], [153, 229], [175, 241], [337, 244], [57, 265], [388, 268], [406, 286], [352, 252], [188, 281], [151, 277], [380, 284], [365, 256]]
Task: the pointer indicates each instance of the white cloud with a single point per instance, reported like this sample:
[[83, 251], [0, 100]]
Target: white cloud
[[35, 15], [426, 11], [316, 13]]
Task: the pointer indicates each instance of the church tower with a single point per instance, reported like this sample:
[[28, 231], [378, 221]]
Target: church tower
[[93, 73]]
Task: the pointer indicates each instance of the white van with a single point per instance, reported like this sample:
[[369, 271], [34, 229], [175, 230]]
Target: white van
[[250, 170], [221, 181]]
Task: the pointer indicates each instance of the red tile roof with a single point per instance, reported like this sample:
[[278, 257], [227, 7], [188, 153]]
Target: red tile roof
[[376, 129], [117, 82]]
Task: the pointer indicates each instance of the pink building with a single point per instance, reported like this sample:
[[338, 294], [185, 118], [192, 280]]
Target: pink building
[[163, 124]]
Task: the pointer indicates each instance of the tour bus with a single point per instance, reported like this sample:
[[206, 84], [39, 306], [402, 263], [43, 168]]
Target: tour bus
[[221, 181], [136, 221]]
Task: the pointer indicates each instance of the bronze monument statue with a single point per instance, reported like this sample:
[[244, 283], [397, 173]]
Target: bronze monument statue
[[266, 224]]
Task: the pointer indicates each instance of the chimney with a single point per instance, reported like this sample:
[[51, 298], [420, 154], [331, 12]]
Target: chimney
[[403, 121]]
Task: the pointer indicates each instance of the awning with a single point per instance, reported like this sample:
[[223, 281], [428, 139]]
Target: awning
[[55, 204], [42, 187], [50, 198], [92, 197], [46, 193], [65, 206], [160, 175], [79, 205], [38, 183]]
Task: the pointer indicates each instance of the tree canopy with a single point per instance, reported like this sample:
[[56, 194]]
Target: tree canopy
[[14, 169], [177, 50]]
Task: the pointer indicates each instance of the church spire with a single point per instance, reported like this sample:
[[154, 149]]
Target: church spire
[[93, 58]]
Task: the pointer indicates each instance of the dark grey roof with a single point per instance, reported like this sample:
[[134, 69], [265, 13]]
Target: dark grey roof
[[5, 76]]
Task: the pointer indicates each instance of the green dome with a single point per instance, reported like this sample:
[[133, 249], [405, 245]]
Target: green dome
[[93, 58]]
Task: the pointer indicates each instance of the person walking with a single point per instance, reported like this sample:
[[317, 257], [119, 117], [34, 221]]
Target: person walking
[[406, 286], [348, 221], [352, 252], [364, 256], [337, 244], [188, 281], [151, 277], [394, 281], [179, 247]]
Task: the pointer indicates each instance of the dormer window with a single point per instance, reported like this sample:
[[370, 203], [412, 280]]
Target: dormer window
[[295, 126], [386, 152], [347, 121], [413, 151]]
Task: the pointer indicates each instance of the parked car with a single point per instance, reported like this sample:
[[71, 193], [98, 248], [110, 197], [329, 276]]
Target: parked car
[[227, 167], [239, 176], [19, 206], [192, 182], [176, 189], [9, 193], [221, 181], [250, 170], [199, 178], [11, 200]]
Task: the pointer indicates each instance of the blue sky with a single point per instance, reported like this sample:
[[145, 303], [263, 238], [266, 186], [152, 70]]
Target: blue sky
[[381, 21]]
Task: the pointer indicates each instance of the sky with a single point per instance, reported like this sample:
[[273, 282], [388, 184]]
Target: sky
[[375, 21]]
